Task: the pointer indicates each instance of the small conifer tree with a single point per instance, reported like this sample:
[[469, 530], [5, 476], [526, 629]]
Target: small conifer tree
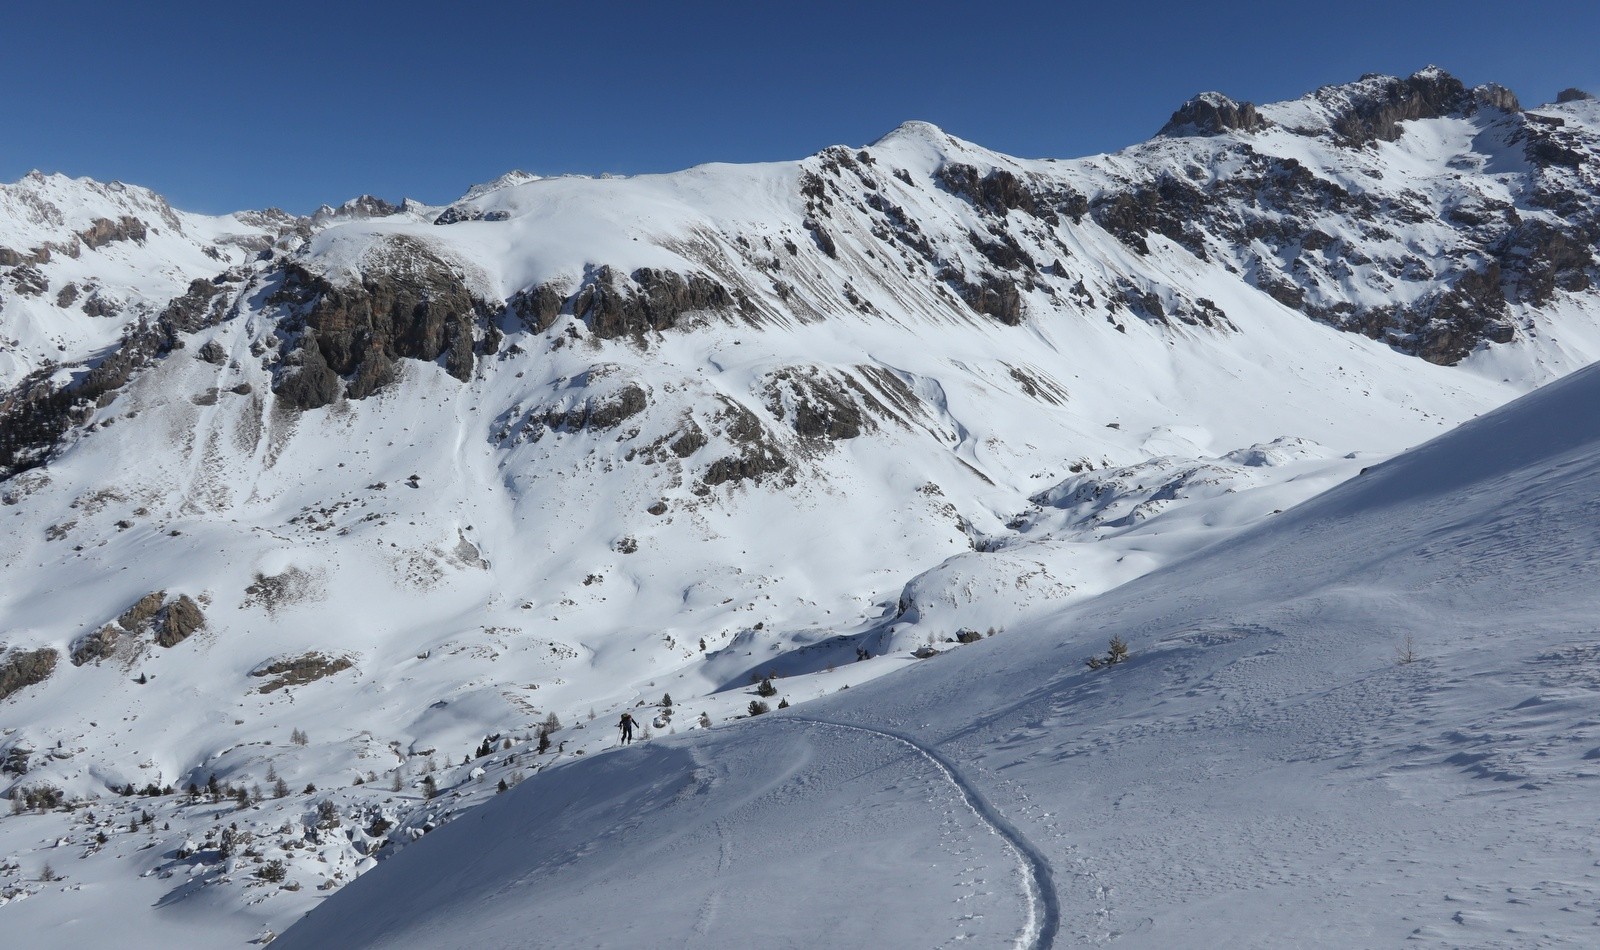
[[273, 872]]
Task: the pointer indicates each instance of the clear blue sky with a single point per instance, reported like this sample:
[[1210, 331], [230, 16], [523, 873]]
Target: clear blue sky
[[229, 105]]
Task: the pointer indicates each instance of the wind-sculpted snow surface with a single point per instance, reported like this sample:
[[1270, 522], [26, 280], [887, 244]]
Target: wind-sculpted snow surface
[[1369, 721]]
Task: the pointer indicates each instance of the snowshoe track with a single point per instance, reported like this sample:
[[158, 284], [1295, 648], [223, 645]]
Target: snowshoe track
[[1044, 910]]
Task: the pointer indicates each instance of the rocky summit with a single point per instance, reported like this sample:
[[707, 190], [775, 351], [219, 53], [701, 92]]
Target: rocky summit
[[335, 501]]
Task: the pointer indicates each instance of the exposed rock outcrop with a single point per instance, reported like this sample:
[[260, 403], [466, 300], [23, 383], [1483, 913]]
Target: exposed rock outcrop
[[142, 612], [93, 647], [756, 454], [537, 307], [103, 231], [455, 214], [999, 191], [298, 670], [1496, 96], [212, 353], [41, 409], [168, 622], [1212, 113], [412, 305], [359, 208], [23, 668], [599, 412], [817, 403], [178, 621], [650, 299], [1378, 104]]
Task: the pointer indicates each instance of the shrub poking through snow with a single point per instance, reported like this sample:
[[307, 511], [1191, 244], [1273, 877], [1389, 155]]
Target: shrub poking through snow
[[1116, 652], [757, 707], [766, 688]]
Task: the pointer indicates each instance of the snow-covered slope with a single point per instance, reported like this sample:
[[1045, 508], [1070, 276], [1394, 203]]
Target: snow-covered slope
[[84, 261], [396, 478], [1262, 771]]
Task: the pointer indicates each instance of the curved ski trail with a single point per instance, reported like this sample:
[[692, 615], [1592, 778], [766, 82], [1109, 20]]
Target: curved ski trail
[[1044, 910]]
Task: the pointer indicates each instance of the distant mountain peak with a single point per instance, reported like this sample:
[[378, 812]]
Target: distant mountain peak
[[510, 179], [357, 208], [913, 130], [1212, 113]]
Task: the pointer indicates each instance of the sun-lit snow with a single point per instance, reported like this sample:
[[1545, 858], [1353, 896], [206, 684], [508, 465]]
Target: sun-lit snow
[[1368, 721], [479, 571]]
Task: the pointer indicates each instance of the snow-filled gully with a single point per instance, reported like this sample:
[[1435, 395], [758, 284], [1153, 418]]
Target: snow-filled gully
[[1044, 911]]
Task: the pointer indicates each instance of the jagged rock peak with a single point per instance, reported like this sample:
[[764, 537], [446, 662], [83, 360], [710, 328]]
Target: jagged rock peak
[[1573, 94], [1212, 113], [362, 206], [1373, 108], [1498, 96]]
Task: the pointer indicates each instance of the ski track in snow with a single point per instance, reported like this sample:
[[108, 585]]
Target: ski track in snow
[[707, 916], [1044, 910]]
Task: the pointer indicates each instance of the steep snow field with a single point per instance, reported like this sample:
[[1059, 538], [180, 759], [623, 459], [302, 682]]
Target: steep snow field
[[1261, 772]]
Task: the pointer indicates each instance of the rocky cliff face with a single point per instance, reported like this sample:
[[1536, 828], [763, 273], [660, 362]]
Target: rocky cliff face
[[409, 306]]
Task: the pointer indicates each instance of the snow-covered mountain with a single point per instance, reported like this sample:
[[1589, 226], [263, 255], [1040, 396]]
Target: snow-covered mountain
[[1367, 722], [395, 478]]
